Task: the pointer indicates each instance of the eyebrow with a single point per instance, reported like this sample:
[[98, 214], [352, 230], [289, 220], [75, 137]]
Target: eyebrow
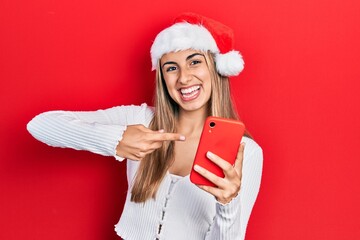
[[193, 55], [187, 58]]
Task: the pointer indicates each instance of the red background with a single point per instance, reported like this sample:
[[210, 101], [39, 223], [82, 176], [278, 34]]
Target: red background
[[298, 95]]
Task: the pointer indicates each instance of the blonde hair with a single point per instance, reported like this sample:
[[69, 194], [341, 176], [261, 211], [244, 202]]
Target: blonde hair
[[155, 165]]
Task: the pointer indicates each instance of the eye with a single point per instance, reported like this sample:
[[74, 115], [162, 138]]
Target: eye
[[194, 62], [169, 69]]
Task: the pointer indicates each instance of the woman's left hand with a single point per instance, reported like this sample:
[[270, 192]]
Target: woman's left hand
[[228, 187]]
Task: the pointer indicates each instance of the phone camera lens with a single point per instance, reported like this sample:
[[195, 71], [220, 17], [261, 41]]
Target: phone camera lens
[[212, 124]]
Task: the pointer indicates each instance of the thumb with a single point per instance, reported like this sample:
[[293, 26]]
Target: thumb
[[239, 159]]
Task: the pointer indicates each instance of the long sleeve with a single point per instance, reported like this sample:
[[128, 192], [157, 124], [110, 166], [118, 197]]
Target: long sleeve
[[95, 131], [231, 219]]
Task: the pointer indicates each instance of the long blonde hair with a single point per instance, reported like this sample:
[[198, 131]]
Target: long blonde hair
[[155, 165]]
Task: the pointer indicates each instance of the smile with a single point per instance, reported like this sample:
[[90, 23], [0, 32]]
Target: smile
[[190, 93]]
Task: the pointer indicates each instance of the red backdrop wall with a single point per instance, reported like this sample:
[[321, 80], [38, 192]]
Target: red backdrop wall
[[298, 95]]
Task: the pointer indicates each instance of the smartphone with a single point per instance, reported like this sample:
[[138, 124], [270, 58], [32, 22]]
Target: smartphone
[[222, 137]]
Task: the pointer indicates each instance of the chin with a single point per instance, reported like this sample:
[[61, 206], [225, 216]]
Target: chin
[[191, 107]]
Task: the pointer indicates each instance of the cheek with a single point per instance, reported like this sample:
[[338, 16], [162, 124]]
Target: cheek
[[205, 76], [170, 85], [167, 81]]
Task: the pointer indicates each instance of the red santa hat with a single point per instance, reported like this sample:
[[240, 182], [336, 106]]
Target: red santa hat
[[193, 31]]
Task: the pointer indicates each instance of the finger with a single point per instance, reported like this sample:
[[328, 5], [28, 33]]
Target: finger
[[239, 159], [227, 168], [218, 181], [153, 131], [216, 192], [167, 137], [145, 147], [140, 155], [155, 145], [145, 129], [220, 195], [132, 157]]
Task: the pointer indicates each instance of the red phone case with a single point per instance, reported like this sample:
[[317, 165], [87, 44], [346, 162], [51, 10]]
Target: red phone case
[[222, 139]]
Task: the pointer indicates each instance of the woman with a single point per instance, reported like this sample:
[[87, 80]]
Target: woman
[[193, 59]]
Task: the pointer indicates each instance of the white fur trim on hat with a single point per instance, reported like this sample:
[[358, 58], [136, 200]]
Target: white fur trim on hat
[[181, 36], [229, 64]]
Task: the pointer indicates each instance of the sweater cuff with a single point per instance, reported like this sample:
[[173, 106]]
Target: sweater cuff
[[117, 138], [104, 140], [230, 209]]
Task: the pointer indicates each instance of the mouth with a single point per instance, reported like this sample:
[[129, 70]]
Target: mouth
[[189, 93]]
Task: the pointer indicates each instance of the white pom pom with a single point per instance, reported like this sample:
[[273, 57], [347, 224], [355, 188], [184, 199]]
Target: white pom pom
[[229, 64]]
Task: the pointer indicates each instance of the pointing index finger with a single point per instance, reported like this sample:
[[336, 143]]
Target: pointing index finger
[[168, 137]]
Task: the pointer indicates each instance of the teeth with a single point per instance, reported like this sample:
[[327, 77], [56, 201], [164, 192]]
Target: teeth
[[190, 95], [189, 90]]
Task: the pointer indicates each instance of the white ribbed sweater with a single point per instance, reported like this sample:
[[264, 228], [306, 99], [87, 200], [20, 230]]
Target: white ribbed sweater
[[183, 211]]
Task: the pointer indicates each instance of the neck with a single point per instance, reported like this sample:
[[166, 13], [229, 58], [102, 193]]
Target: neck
[[190, 123]]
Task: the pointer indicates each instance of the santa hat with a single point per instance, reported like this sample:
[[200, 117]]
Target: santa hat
[[193, 31]]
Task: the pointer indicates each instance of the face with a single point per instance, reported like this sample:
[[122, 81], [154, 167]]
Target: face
[[187, 79]]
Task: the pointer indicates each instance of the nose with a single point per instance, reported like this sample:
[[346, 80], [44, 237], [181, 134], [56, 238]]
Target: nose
[[185, 76]]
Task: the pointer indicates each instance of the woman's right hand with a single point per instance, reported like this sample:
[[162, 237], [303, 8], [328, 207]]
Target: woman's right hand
[[138, 141]]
